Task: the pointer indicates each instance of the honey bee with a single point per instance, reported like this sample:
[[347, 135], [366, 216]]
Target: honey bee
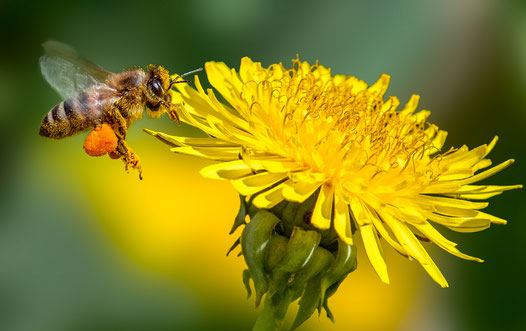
[[93, 96]]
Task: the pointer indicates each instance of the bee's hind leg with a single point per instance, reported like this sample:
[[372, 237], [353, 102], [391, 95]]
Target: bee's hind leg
[[128, 156], [123, 151]]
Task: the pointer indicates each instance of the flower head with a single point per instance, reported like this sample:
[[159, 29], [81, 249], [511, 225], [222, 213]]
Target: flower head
[[286, 134]]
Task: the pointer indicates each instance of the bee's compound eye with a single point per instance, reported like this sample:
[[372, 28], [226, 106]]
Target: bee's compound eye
[[156, 87]]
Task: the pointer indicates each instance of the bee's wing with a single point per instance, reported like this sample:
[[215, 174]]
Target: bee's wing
[[68, 72]]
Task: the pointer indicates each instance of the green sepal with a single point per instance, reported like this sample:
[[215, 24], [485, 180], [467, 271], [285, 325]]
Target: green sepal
[[330, 291], [279, 208], [287, 218], [304, 212], [311, 296], [234, 245], [301, 261], [240, 217], [251, 210], [299, 251], [254, 240], [319, 262], [276, 250], [344, 264], [246, 281]]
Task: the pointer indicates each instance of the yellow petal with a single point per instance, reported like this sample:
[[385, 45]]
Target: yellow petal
[[484, 163], [252, 184], [380, 86], [456, 174], [470, 227], [223, 80], [487, 173], [492, 144], [456, 212], [414, 248], [411, 105], [276, 164], [477, 196], [438, 202], [226, 113], [478, 189], [226, 170], [211, 153], [493, 219], [197, 103], [373, 250], [308, 176], [342, 220], [392, 103], [247, 67], [177, 141], [460, 224], [379, 226], [369, 237], [358, 212], [437, 142], [229, 132], [430, 232], [461, 164], [299, 191], [421, 116], [321, 215], [195, 112], [270, 198]]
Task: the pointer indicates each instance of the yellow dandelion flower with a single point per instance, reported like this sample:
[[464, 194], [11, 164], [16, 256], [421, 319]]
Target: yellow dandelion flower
[[284, 134]]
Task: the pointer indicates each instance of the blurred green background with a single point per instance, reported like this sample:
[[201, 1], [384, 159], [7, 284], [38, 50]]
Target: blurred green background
[[85, 246]]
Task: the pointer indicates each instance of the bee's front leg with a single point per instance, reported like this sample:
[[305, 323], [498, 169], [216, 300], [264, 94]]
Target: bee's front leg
[[172, 109]]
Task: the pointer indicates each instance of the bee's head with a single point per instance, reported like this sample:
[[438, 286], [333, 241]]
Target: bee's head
[[158, 82], [158, 85]]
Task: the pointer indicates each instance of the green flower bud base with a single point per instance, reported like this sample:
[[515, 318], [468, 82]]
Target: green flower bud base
[[289, 259]]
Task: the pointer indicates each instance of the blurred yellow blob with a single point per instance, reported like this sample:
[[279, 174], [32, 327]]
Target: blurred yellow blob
[[176, 223]]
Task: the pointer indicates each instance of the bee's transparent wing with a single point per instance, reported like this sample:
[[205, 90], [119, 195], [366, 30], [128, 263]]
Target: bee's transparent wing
[[67, 71]]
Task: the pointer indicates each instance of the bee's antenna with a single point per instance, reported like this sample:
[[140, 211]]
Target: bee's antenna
[[181, 76]]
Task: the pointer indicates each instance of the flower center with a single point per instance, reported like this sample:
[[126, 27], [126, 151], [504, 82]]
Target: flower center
[[329, 124]]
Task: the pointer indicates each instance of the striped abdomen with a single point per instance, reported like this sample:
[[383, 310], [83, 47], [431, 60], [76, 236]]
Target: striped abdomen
[[78, 113]]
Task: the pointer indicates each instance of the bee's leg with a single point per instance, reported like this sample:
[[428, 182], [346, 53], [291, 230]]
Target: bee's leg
[[172, 110], [120, 127], [173, 114], [128, 156]]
